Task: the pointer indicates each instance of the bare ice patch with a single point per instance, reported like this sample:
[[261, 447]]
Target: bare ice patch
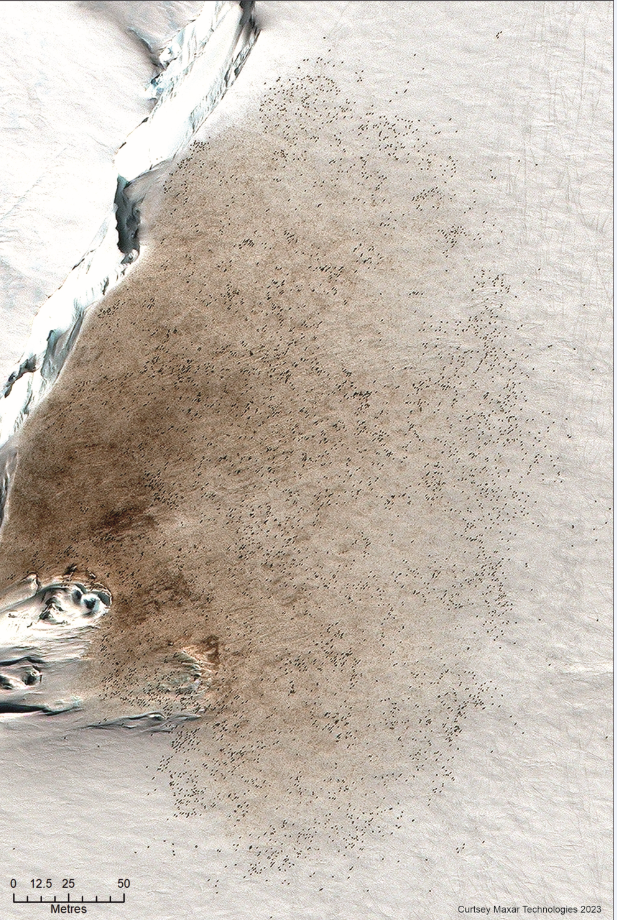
[[44, 632]]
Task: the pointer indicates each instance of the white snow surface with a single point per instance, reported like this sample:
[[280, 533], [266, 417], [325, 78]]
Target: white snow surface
[[76, 82], [43, 634]]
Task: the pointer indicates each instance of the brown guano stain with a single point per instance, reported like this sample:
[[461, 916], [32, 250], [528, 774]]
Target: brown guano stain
[[294, 440]]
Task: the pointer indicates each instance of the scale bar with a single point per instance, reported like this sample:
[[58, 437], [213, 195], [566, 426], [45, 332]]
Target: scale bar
[[67, 900]]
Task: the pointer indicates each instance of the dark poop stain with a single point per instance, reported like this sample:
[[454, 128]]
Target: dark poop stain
[[119, 520], [311, 428]]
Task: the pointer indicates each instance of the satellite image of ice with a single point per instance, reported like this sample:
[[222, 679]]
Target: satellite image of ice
[[305, 459]]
